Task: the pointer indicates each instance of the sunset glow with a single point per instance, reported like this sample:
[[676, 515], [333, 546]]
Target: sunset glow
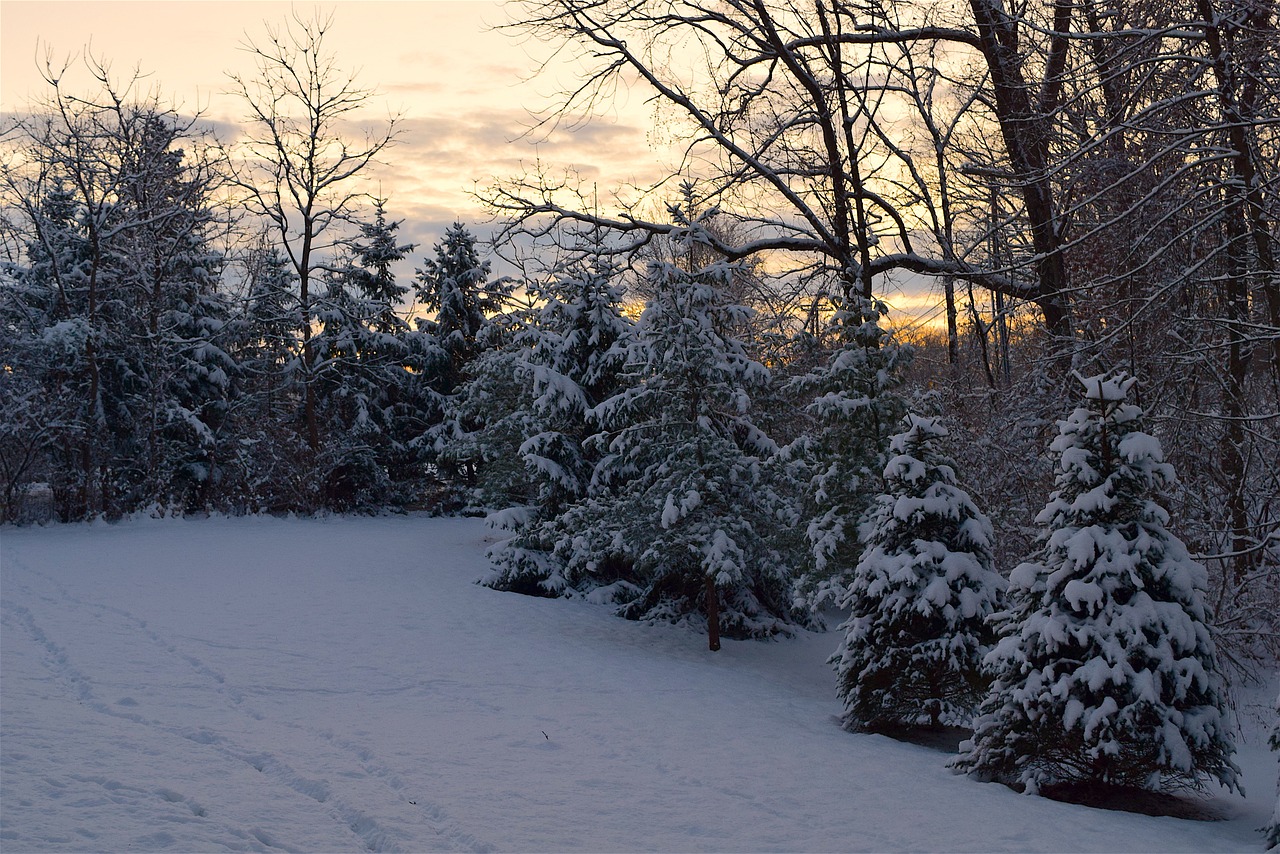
[[462, 86]]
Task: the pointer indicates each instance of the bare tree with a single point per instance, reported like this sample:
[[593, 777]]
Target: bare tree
[[799, 115], [300, 161]]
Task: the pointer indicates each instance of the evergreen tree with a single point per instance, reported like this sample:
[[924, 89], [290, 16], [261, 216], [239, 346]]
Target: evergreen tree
[[920, 595], [267, 402], [679, 518], [1105, 669], [120, 288], [571, 361], [371, 276], [361, 378], [170, 269], [455, 285], [490, 416], [840, 459]]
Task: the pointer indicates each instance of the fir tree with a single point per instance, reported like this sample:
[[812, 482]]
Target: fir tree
[[361, 378], [919, 596], [456, 286], [679, 518], [572, 361], [372, 276], [840, 459], [1105, 669]]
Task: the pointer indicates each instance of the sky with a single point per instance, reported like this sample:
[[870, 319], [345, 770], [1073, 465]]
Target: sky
[[463, 87]]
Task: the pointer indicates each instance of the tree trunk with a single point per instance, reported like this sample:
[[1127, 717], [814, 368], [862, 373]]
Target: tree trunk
[[713, 615]]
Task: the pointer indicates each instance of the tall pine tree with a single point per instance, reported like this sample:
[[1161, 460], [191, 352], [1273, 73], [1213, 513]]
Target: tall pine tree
[[455, 285], [573, 355], [853, 413], [679, 521]]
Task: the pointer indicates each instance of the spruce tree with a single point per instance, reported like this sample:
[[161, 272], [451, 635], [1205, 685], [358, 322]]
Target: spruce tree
[[920, 595], [839, 460], [456, 286], [678, 523], [572, 356], [1105, 669], [360, 376]]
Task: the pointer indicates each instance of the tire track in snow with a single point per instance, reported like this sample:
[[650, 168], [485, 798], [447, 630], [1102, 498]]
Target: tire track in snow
[[371, 832]]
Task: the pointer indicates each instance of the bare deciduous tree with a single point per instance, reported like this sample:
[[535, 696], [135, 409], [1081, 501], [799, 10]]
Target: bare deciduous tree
[[300, 161]]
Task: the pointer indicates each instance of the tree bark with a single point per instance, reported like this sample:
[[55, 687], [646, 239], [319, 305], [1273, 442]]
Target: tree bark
[[713, 615]]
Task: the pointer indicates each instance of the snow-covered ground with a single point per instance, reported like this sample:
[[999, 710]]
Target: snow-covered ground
[[343, 684]]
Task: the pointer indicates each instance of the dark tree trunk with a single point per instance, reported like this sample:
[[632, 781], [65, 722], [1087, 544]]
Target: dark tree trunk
[[713, 615]]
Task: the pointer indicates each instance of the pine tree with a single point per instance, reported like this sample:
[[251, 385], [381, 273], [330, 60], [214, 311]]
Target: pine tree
[[571, 361], [456, 286], [679, 518], [372, 277], [839, 461], [1105, 669], [267, 401], [172, 272], [920, 595], [361, 380]]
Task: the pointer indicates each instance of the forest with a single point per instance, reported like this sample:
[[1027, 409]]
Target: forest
[[691, 402]]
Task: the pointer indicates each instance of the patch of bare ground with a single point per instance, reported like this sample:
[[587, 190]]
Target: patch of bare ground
[[1130, 799], [942, 738]]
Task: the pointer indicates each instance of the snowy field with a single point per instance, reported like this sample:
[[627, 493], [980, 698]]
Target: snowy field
[[344, 685]]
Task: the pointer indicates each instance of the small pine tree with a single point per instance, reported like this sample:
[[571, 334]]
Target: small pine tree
[[679, 517], [1105, 669], [853, 410], [920, 595]]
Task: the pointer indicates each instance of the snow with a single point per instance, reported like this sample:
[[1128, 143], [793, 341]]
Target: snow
[[343, 684]]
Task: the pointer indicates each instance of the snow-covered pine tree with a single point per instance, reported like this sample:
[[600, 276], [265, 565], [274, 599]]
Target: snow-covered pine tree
[[198, 384], [490, 416], [920, 595], [853, 412], [572, 359], [376, 252], [1105, 670], [172, 274], [266, 416], [679, 519], [456, 286], [356, 366], [361, 351]]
